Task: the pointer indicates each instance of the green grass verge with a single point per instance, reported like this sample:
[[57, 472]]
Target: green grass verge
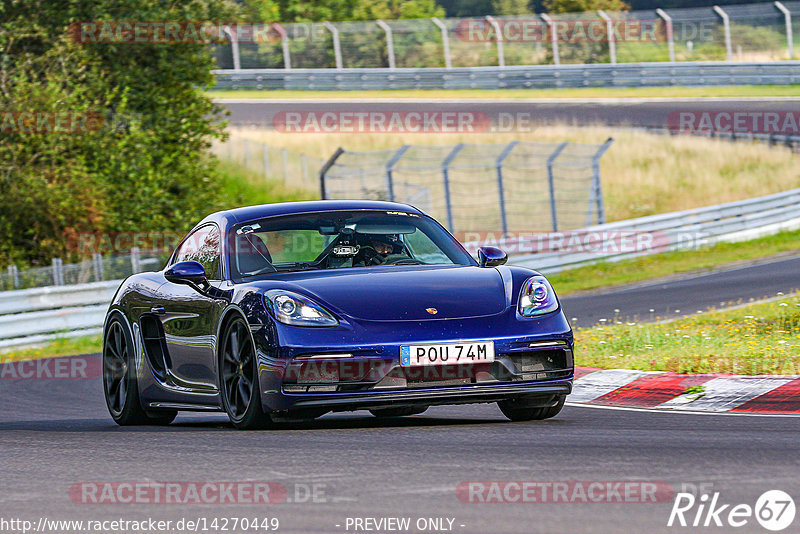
[[243, 187], [589, 92], [68, 346], [606, 274], [762, 338]]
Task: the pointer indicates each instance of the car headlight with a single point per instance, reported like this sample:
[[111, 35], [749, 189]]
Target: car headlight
[[294, 309], [537, 297]]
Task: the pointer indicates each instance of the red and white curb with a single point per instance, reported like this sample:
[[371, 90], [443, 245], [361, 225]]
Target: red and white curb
[[668, 391]]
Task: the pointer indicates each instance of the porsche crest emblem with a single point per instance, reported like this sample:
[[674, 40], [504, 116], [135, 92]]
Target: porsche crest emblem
[[432, 311]]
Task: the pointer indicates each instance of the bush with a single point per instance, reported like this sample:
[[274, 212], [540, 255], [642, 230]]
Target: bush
[[147, 167]]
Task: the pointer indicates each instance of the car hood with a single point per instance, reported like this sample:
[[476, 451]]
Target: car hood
[[405, 293]]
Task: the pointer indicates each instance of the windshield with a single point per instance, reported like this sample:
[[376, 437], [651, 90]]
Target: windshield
[[340, 239]]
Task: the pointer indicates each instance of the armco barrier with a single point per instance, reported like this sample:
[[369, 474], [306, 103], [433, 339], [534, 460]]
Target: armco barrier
[[34, 315], [732, 221], [516, 77], [29, 316]]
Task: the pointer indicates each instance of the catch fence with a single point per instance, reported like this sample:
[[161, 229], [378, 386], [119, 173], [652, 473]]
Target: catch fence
[[479, 187], [758, 32]]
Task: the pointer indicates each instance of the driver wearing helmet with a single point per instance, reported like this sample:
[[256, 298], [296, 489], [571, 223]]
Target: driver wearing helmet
[[375, 251]]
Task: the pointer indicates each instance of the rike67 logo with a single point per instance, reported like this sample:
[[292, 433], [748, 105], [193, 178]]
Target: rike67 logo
[[774, 510]]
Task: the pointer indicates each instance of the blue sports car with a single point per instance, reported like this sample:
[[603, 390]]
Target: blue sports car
[[288, 311]]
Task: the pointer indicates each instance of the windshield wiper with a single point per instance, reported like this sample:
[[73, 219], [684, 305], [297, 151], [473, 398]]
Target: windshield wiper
[[297, 266]]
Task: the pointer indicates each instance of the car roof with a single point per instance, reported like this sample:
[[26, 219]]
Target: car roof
[[234, 216]]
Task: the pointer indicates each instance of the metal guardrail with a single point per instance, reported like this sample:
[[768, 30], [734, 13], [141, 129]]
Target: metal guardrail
[[732, 221], [791, 142], [32, 316], [29, 316], [516, 77]]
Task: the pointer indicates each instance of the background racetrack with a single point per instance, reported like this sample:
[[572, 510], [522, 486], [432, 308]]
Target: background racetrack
[[638, 112], [686, 294]]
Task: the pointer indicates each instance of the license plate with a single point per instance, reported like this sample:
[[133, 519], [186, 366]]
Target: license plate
[[447, 354]]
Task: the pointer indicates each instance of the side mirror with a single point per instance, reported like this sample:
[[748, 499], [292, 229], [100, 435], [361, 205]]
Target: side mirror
[[491, 256], [190, 273]]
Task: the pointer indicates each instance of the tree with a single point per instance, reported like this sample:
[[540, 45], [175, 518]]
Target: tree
[[576, 6], [145, 168], [511, 7], [340, 10]]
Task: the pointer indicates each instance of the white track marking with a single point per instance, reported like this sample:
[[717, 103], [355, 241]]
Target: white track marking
[[674, 412], [723, 394], [598, 383]]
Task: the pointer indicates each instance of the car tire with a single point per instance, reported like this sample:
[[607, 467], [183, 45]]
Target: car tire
[[238, 372], [120, 383], [519, 410], [400, 411]]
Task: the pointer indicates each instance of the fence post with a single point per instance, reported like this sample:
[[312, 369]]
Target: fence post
[[266, 161], [97, 262], [390, 169], [596, 185], [670, 35], [389, 42], [787, 15], [13, 275], [285, 157], [287, 57], [446, 177], [553, 37], [500, 188], [612, 41], [726, 25], [324, 170], [448, 64], [501, 55], [237, 65], [58, 272], [135, 263], [337, 45], [551, 183]]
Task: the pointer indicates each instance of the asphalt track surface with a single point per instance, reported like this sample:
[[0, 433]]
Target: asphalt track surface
[[638, 112], [687, 295], [56, 433]]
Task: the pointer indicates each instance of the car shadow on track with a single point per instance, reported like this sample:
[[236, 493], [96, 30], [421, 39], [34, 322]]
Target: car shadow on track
[[348, 422]]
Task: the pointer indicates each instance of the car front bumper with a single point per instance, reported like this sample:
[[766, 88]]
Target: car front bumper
[[532, 359]]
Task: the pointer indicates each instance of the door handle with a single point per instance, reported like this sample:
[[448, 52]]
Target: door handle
[[158, 310]]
